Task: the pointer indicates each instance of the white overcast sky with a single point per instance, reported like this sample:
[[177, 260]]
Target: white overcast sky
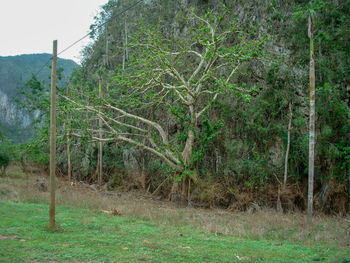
[[30, 26]]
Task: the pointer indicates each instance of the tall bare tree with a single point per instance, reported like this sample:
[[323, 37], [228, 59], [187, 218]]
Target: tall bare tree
[[311, 122], [290, 116], [185, 75], [100, 146], [68, 138]]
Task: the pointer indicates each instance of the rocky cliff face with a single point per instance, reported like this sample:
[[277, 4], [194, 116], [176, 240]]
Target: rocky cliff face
[[11, 114], [15, 121]]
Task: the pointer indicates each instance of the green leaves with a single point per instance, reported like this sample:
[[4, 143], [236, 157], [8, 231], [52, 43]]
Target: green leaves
[[4, 157], [206, 136], [311, 8]]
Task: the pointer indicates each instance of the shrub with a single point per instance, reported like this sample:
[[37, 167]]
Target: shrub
[[4, 160]]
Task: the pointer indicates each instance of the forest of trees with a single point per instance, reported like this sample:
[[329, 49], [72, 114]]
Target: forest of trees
[[206, 102]]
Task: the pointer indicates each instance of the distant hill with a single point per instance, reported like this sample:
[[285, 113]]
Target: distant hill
[[15, 123]]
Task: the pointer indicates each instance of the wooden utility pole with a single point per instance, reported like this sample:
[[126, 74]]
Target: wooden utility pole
[[69, 168], [68, 158], [311, 124], [53, 138], [100, 149]]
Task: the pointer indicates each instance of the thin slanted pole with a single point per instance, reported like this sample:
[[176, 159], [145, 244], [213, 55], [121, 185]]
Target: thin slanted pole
[[68, 158], [100, 148], [288, 146], [69, 168], [311, 125], [53, 138], [126, 52]]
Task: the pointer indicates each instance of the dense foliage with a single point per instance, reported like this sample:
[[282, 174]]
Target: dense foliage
[[4, 154], [145, 65]]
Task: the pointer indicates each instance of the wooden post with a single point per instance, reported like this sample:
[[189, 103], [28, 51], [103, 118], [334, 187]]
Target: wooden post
[[100, 149], [69, 168], [53, 138], [68, 158], [311, 125]]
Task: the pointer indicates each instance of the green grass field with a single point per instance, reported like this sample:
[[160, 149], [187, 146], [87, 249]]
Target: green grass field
[[87, 236]]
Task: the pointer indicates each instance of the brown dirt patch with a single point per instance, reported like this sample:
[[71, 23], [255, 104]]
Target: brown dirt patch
[[8, 192], [2, 237]]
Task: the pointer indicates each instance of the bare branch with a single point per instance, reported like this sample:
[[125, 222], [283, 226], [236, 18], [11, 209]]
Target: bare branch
[[207, 23], [206, 107], [92, 109], [142, 146], [146, 121], [231, 74], [194, 74]]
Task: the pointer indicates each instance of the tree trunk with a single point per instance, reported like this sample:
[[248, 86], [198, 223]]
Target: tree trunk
[[311, 124], [279, 203], [179, 190], [288, 147], [183, 188], [347, 169], [348, 91], [187, 152], [69, 168], [68, 158], [348, 172], [126, 53]]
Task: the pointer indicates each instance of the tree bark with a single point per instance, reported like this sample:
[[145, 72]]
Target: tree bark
[[126, 53], [347, 169], [187, 152], [288, 147], [311, 124], [279, 203], [69, 168], [68, 158]]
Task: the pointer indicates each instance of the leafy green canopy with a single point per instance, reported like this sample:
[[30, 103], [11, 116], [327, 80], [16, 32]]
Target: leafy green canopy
[[168, 76]]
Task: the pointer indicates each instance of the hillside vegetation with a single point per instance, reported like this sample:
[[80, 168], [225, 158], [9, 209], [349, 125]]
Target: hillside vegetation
[[15, 71], [200, 101]]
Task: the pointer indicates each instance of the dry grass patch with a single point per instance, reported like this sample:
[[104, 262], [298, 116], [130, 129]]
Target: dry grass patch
[[260, 225]]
